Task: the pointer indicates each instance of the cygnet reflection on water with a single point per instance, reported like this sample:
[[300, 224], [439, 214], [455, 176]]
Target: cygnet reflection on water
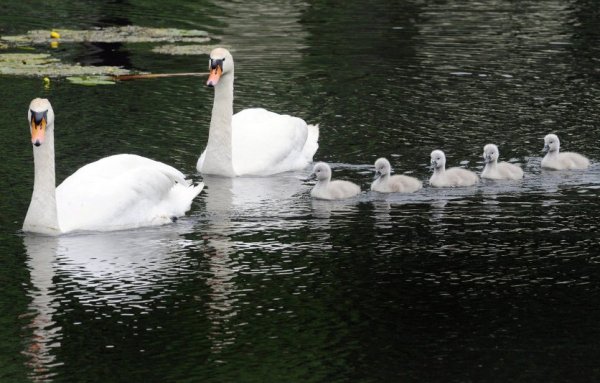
[[556, 160], [451, 177], [385, 182]]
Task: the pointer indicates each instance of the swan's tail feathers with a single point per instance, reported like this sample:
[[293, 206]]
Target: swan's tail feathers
[[312, 142], [191, 191], [182, 196], [197, 189]]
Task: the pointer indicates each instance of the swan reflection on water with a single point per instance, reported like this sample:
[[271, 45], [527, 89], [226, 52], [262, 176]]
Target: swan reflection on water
[[133, 269], [124, 270]]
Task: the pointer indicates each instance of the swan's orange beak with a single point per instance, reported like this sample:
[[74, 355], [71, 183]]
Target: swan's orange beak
[[214, 76], [216, 70], [38, 128]]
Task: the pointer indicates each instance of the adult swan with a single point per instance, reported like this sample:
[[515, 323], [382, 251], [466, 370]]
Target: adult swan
[[117, 192], [254, 141]]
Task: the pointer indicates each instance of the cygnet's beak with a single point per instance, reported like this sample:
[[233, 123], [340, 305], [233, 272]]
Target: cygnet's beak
[[38, 127], [487, 159], [433, 165], [377, 174], [216, 70], [311, 177], [546, 148]]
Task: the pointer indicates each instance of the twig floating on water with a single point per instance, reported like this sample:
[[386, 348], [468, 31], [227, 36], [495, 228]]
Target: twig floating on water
[[127, 77]]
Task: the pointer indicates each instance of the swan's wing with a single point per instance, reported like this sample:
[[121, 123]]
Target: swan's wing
[[574, 160], [122, 191], [461, 177], [267, 143], [114, 166], [510, 171]]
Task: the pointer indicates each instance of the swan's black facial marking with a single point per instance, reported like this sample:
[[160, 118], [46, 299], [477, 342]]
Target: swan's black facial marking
[[38, 117], [214, 63]]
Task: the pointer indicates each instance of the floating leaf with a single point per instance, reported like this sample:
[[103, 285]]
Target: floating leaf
[[91, 80], [120, 34], [44, 65], [172, 49]]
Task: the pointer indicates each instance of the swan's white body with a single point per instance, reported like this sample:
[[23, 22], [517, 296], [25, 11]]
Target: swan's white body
[[498, 170], [451, 177], [253, 141], [387, 183], [117, 192], [325, 188], [556, 160]]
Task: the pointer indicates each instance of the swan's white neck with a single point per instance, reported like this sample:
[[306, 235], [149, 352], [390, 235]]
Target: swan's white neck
[[42, 216], [439, 170], [219, 151], [491, 165]]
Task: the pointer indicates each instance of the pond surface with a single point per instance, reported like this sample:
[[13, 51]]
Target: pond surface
[[259, 283]]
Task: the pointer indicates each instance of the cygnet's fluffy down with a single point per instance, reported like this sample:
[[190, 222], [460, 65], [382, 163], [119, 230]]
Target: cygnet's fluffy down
[[328, 189], [387, 183], [559, 161], [452, 177], [498, 170]]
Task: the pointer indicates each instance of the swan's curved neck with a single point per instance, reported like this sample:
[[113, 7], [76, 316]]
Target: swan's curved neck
[[42, 216], [219, 151], [439, 170], [491, 164]]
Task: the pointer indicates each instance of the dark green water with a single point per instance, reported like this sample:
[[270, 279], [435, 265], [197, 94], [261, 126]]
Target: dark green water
[[500, 282]]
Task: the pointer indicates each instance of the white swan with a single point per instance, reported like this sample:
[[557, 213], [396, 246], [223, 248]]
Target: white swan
[[116, 192], [443, 177], [386, 183], [559, 161], [253, 141], [328, 189], [498, 170]]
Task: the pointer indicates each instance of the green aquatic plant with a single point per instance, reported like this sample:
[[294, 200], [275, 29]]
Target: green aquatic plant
[[91, 80], [175, 49], [44, 65], [119, 34]]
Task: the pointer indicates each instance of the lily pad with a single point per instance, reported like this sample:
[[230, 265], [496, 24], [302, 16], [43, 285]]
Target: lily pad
[[44, 65], [123, 34], [173, 49], [91, 80]]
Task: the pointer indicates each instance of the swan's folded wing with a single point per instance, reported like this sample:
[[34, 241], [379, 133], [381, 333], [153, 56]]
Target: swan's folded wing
[[267, 143], [112, 167], [93, 199]]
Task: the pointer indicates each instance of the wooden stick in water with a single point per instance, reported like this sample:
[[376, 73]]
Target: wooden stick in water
[[127, 77]]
